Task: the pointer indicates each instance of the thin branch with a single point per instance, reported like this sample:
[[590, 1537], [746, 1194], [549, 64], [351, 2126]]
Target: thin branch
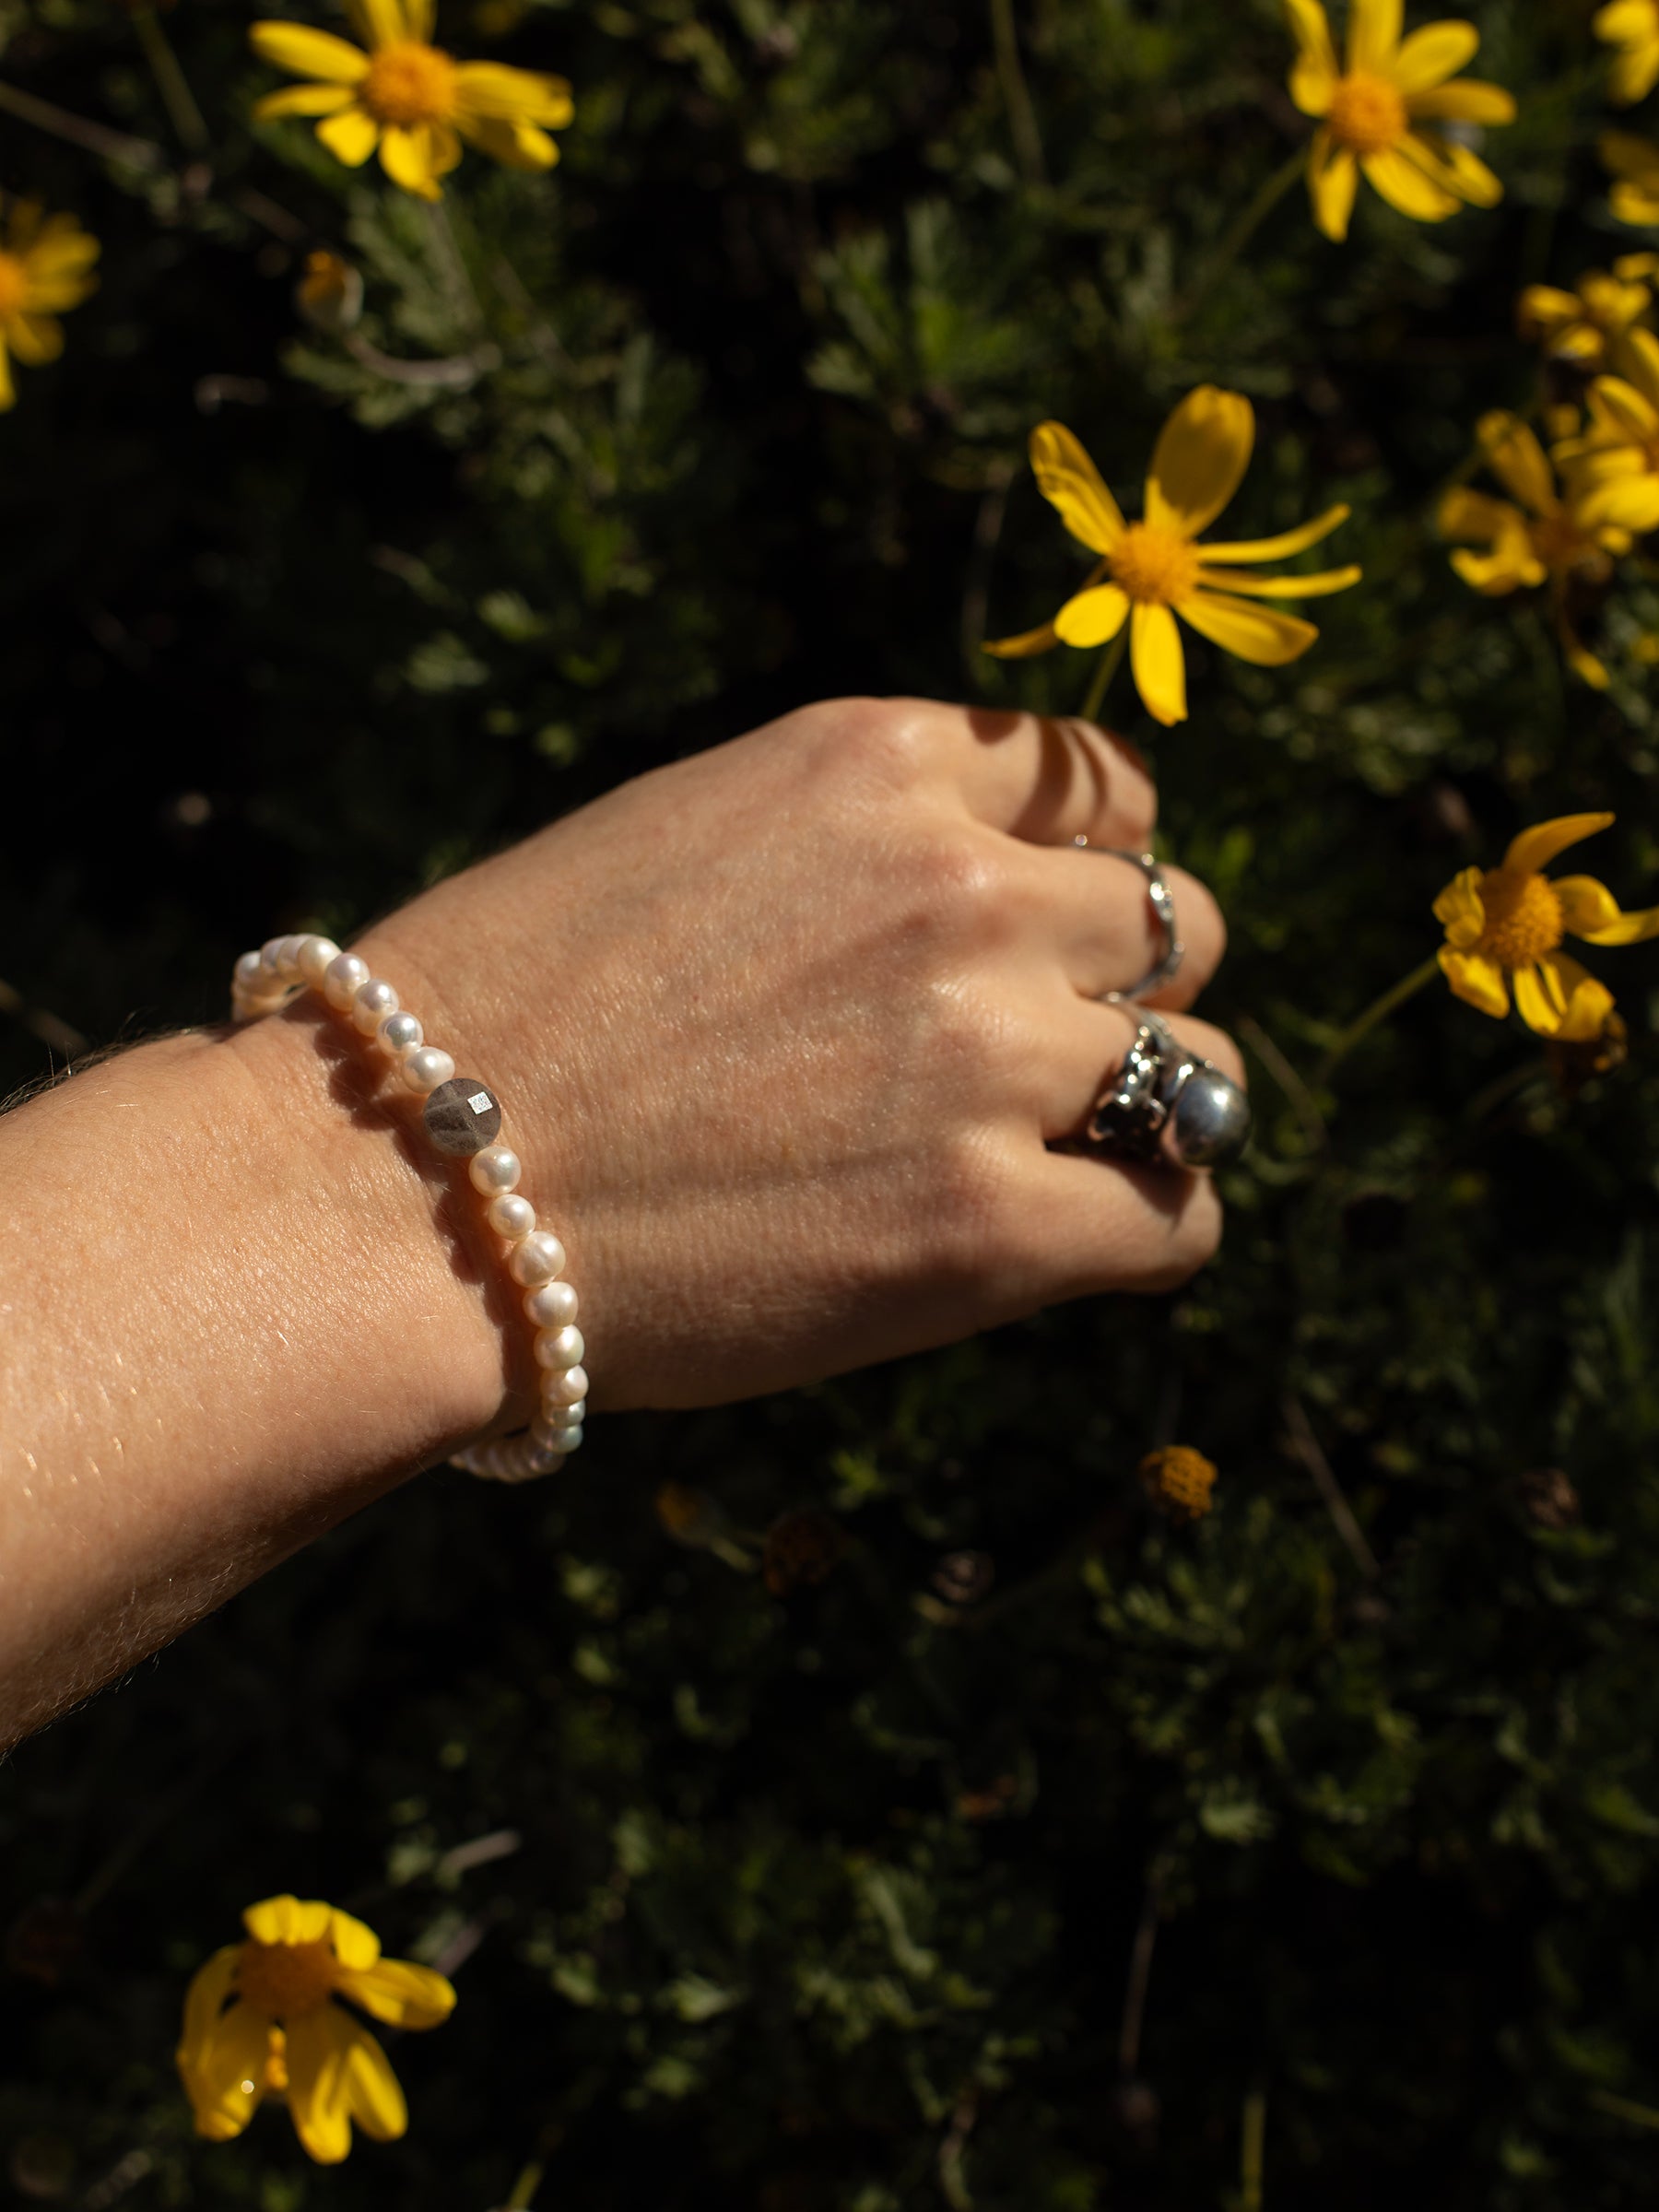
[[1022, 116], [1306, 1447], [953, 2179], [453, 374], [1140, 1969], [92, 137], [988, 535], [1303, 1101]]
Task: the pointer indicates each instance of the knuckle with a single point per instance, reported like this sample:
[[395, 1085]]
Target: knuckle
[[887, 742], [960, 890]]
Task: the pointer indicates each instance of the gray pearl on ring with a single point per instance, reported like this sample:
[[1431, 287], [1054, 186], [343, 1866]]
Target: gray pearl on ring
[[1209, 1122], [462, 1116]]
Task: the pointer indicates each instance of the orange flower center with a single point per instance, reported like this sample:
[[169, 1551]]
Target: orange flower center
[[1160, 568], [409, 83], [1367, 114], [14, 284], [287, 1978], [1523, 918]]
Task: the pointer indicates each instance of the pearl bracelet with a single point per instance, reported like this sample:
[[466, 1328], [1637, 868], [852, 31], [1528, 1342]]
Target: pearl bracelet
[[463, 1120]]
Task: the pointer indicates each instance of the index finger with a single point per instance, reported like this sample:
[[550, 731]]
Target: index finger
[[1049, 779]]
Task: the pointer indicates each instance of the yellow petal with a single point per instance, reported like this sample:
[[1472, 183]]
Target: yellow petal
[[1478, 517], [1641, 369], [1158, 663], [319, 2092], [1456, 166], [1285, 544], [63, 248], [303, 52], [379, 22], [1333, 182], [1516, 459], [1374, 34], [355, 1945], [1480, 983], [1636, 202], [517, 95], [1314, 76], [407, 157], [227, 2079], [1622, 22], [303, 100], [1200, 459], [1461, 909], [376, 2097], [1259, 634], [1623, 503], [1094, 616], [514, 144], [35, 339], [1468, 101], [1591, 911], [1407, 186], [1537, 847], [350, 137], [1543, 308], [204, 2001], [8, 391], [286, 1919], [1318, 586], [1579, 659], [1511, 566], [1558, 998], [400, 1992], [1071, 484], [1432, 55], [1024, 646]]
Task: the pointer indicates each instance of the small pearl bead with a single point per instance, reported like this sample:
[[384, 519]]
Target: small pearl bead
[[568, 1439], [249, 972], [559, 1347], [537, 1259], [400, 1034], [569, 1386], [511, 1215], [316, 953], [270, 955], [552, 1306], [494, 1169], [426, 1067], [370, 1004], [288, 955], [547, 1426], [342, 979]]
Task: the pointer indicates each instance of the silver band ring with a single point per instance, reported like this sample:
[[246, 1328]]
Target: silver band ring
[[1163, 905], [1165, 1104]]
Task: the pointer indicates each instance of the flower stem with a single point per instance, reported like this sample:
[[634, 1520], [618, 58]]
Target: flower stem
[[92, 137], [1249, 222], [1022, 116], [176, 95], [1110, 661], [1379, 1010]]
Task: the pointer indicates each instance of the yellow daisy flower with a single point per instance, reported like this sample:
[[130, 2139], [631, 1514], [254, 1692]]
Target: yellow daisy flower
[[1504, 928], [1634, 165], [1371, 112], [1613, 467], [1180, 1481], [408, 98], [45, 269], [1634, 27], [1590, 324], [260, 2021], [1157, 570], [1542, 538]]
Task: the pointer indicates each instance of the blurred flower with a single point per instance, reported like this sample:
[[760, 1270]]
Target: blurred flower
[[1634, 27], [330, 294], [1613, 465], [45, 269], [1157, 570], [1504, 926], [260, 2021], [801, 1548], [1544, 539], [1370, 111], [1634, 165], [1592, 322], [1180, 1481], [408, 98]]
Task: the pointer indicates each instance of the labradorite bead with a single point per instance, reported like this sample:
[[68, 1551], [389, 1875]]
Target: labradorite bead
[[462, 1116]]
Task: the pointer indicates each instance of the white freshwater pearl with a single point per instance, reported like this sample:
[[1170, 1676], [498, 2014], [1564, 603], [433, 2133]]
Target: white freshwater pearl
[[370, 1004], [270, 957], [547, 1426], [400, 1034], [511, 1215], [316, 953], [569, 1386], [494, 1169], [249, 975], [537, 1258], [426, 1067], [552, 1306], [559, 1347], [566, 1439], [343, 978], [288, 954]]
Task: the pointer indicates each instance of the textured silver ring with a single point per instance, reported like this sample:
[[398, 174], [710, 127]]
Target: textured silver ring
[[1164, 1103], [1163, 905]]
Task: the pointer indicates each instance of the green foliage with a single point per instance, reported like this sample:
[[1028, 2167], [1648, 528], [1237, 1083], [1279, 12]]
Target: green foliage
[[824, 1899]]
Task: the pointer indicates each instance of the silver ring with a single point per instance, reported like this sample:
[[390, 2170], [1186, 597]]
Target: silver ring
[[1166, 1104], [1163, 906]]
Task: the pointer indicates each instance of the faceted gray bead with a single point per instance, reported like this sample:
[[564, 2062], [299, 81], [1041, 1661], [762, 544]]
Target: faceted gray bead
[[462, 1116]]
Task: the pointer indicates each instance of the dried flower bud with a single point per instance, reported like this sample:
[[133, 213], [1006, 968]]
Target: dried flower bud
[[801, 1548], [330, 294], [1178, 1481], [1548, 1499], [1573, 1065], [690, 1516]]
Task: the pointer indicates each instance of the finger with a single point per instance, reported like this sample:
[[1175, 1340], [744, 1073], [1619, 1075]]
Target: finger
[[1106, 931], [1108, 1225], [1074, 1048], [1048, 780]]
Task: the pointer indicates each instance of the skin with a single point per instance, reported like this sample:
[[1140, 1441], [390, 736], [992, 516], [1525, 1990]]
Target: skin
[[782, 1032]]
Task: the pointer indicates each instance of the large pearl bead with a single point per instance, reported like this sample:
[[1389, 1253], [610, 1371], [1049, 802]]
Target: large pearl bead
[[400, 1034], [559, 1347], [536, 1259], [511, 1215], [495, 1170], [552, 1306], [426, 1067], [343, 978], [370, 1004], [564, 1386], [316, 953]]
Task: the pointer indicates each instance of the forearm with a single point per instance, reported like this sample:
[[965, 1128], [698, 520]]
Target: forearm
[[237, 1301]]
